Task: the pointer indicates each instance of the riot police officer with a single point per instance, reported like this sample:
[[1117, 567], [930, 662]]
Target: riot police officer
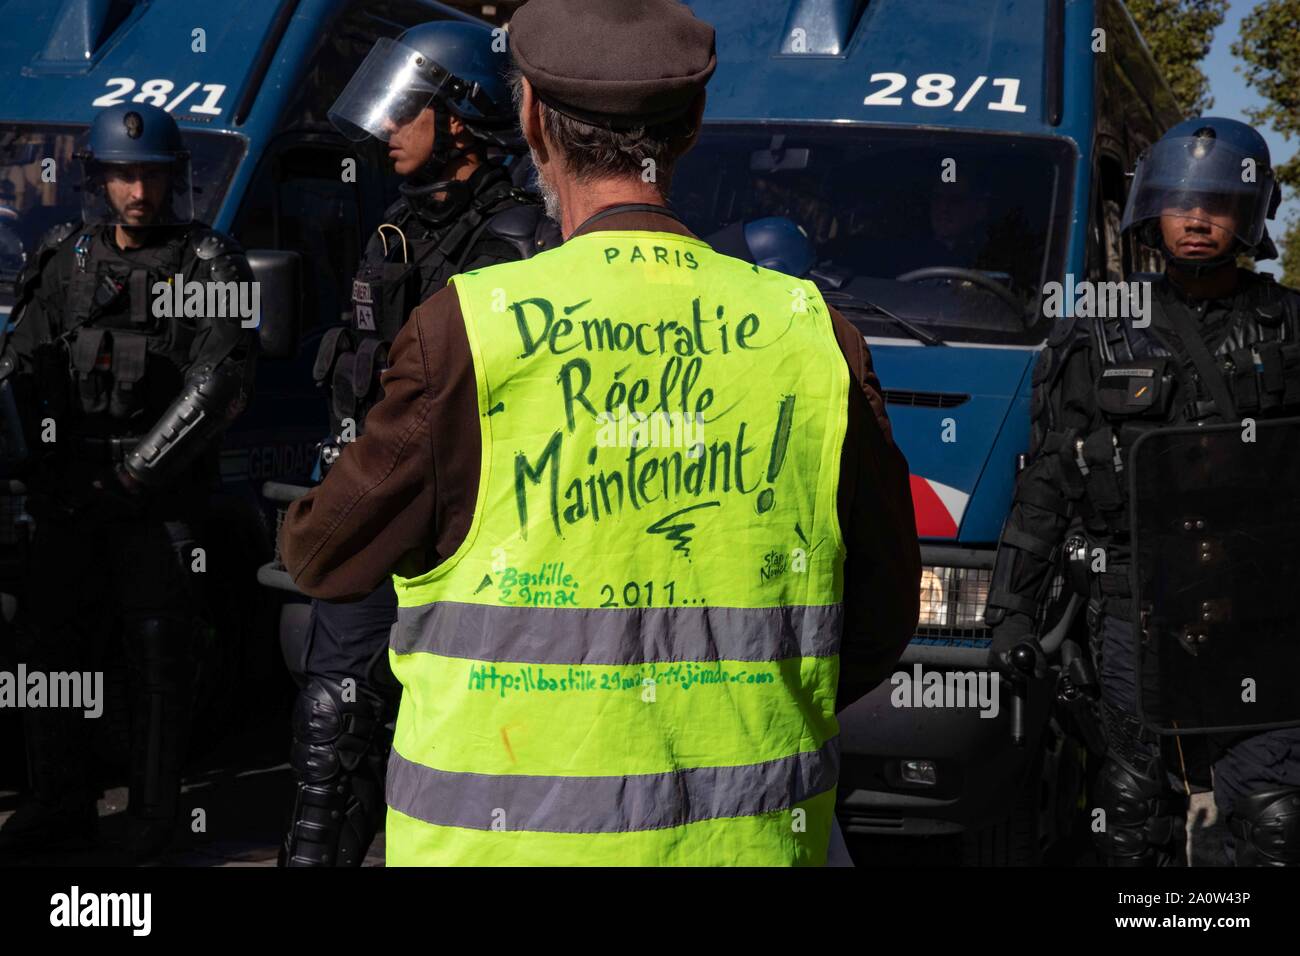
[[438, 97], [1222, 346], [124, 398]]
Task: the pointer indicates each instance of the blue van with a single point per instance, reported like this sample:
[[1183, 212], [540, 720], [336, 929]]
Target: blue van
[[945, 159]]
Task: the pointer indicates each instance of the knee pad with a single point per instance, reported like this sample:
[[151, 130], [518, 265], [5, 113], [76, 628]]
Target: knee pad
[[340, 752], [1144, 822], [1266, 828]]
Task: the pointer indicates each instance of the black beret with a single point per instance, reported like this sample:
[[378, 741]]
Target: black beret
[[614, 63]]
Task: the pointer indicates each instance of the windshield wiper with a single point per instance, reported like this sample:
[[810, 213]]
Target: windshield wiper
[[853, 303]]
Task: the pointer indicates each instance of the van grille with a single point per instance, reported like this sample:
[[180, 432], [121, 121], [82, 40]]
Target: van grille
[[896, 396]]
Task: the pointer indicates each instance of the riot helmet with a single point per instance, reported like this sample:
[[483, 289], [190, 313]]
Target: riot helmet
[[1215, 171], [135, 169], [458, 68], [13, 254], [775, 243]]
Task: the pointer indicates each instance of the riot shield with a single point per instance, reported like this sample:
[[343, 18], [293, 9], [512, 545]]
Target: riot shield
[[1216, 576]]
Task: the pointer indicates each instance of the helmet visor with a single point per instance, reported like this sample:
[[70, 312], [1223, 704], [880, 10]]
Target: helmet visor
[[1198, 179], [137, 194], [390, 88]]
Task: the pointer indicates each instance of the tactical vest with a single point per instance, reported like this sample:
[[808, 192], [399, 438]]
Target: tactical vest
[[1164, 374], [403, 267], [111, 332], [633, 657]]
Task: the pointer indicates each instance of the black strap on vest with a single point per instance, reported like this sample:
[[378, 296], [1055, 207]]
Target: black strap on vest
[[139, 292], [628, 207], [1206, 367], [488, 205], [163, 260], [480, 209]]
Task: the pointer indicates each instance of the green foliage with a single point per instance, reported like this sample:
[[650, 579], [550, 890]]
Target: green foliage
[[1269, 48], [1179, 33], [1290, 252]]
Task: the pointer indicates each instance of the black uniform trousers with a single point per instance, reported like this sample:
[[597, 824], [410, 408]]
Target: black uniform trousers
[[113, 565], [350, 639]]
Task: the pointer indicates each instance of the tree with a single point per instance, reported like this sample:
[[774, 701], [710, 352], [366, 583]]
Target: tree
[[1269, 46], [1290, 261], [1179, 33]]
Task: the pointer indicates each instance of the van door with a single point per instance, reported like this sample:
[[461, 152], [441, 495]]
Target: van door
[[299, 201]]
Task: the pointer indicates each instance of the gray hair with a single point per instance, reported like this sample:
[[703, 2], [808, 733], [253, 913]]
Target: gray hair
[[592, 152]]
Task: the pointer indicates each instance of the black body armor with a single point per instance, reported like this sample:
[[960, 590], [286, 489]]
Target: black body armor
[[95, 351], [1100, 384], [417, 249]]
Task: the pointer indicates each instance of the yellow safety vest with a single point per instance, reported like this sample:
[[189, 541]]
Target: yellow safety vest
[[633, 657]]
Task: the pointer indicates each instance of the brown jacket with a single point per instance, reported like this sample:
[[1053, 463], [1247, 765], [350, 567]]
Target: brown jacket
[[401, 497]]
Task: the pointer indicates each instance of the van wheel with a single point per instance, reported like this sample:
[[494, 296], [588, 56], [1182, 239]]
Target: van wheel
[[1016, 839]]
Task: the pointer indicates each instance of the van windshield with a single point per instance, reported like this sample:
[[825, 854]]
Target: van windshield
[[36, 195], [985, 215]]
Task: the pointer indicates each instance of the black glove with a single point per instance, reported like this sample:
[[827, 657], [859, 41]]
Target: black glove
[[1016, 653], [116, 494]]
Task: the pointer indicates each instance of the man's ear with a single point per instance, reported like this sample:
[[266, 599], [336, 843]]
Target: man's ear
[[461, 135], [696, 118], [530, 122], [697, 111]]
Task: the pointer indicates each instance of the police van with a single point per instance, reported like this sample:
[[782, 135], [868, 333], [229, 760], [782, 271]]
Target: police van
[[943, 161], [249, 83]]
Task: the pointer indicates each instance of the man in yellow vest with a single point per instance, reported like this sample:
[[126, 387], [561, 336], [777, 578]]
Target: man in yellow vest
[[647, 525]]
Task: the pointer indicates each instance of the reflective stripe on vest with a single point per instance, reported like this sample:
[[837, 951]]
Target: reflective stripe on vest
[[633, 657]]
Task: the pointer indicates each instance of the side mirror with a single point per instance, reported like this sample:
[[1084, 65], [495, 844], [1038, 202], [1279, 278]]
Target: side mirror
[[779, 159], [279, 277]]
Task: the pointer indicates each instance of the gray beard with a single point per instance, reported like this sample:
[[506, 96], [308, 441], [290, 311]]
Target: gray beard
[[550, 198]]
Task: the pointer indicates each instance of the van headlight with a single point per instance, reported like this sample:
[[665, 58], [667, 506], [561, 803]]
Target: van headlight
[[954, 597]]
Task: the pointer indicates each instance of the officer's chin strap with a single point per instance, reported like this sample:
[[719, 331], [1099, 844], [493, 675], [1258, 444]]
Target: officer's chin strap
[[444, 153], [421, 194], [456, 193]]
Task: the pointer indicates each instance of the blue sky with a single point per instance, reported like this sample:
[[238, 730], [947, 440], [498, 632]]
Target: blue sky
[[1231, 99]]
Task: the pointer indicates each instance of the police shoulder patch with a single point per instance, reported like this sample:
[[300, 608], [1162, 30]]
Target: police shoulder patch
[[51, 241], [57, 235], [208, 244]]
